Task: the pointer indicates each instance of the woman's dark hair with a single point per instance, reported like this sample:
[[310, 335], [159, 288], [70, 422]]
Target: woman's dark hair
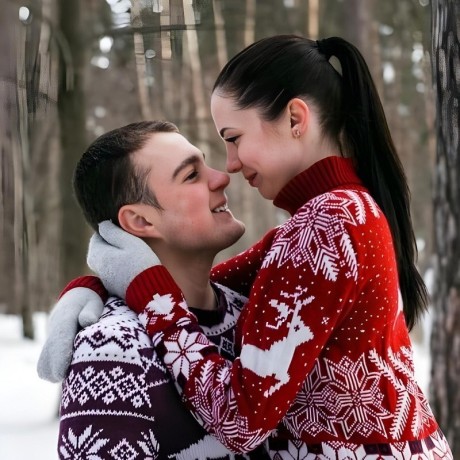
[[105, 178], [269, 73]]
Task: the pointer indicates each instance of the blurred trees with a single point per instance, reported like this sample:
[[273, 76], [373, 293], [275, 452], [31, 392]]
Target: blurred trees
[[30, 158], [445, 343]]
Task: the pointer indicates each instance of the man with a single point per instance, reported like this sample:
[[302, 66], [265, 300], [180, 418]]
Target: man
[[118, 400]]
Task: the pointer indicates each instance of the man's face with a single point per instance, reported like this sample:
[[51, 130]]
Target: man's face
[[195, 217]]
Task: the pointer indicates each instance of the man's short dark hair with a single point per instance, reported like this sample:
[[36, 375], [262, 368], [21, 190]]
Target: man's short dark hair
[[106, 178]]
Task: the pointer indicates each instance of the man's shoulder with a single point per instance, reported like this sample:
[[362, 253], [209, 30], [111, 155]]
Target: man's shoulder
[[232, 298], [118, 335]]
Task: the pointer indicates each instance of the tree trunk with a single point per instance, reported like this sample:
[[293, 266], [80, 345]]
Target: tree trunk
[[73, 139], [141, 69], [201, 102], [361, 29], [445, 341], [313, 19], [22, 181], [9, 139]]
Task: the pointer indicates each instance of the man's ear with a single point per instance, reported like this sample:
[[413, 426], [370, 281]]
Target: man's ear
[[138, 220], [299, 113]]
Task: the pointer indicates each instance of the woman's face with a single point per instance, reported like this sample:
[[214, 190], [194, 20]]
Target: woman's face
[[265, 152]]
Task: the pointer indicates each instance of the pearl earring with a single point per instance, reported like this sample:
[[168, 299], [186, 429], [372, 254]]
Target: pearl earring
[[296, 133]]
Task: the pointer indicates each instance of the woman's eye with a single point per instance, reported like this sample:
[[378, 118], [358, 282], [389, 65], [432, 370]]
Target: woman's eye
[[232, 140]]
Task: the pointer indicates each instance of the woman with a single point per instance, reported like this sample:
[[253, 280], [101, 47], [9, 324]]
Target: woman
[[325, 367]]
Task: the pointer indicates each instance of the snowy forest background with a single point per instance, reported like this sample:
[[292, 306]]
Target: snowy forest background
[[73, 69]]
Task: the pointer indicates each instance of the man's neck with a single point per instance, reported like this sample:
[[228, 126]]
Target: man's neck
[[191, 274]]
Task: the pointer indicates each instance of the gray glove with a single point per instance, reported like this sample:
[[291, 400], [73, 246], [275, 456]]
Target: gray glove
[[117, 257], [78, 306]]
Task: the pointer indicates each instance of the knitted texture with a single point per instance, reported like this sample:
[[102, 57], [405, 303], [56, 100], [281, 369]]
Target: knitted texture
[[118, 400], [326, 358], [90, 282]]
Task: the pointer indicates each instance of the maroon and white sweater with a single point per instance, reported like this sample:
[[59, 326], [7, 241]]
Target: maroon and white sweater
[[118, 400], [325, 360]]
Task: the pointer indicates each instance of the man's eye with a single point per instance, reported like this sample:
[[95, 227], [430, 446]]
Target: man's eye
[[231, 140], [192, 175]]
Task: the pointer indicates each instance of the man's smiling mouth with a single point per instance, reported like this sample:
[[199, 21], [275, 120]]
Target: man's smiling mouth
[[221, 208]]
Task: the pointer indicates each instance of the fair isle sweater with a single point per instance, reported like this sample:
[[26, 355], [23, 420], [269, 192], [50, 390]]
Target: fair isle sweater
[[325, 363], [118, 401]]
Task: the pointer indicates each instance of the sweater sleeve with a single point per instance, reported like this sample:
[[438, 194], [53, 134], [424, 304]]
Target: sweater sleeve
[[110, 387], [306, 284], [95, 417], [239, 272], [87, 281]]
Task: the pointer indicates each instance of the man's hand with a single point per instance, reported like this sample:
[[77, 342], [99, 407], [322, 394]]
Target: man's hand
[[118, 257], [78, 306]]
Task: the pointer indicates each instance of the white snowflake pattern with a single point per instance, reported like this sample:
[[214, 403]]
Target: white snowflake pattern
[[294, 450], [340, 397], [407, 393], [183, 350], [149, 445], [161, 305], [355, 397], [87, 445], [317, 235]]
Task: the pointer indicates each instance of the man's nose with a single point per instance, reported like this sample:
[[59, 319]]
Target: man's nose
[[218, 179]]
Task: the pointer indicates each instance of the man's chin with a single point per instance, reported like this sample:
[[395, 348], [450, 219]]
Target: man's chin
[[240, 232], [234, 236]]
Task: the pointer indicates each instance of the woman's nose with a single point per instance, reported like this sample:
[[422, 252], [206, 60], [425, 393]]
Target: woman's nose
[[233, 163]]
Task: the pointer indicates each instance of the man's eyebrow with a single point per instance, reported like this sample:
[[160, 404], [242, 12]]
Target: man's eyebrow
[[191, 160]]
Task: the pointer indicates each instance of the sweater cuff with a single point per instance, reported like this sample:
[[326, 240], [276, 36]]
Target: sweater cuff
[[90, 282], [154, 280]]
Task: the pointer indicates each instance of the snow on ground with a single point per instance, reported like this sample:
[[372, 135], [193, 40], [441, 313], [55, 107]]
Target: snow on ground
[[28, 405]]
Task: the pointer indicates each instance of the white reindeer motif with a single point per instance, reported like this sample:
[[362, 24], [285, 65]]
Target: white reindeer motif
[[276, 360]]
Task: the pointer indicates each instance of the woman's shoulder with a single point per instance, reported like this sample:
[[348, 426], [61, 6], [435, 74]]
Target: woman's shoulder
[[347, 207]]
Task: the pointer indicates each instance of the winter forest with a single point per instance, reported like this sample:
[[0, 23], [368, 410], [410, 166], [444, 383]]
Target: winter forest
[[74, 69]]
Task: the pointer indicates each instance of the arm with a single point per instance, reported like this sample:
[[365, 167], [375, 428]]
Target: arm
[[114, 381], [239, 272], [299, 295], [82, 300], [79, 304]]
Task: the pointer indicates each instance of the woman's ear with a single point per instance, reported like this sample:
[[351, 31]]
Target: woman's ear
[[299, 114], [137, 220]]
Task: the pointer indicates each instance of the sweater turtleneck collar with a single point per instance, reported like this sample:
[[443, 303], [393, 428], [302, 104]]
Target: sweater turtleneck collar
[[323, 176]]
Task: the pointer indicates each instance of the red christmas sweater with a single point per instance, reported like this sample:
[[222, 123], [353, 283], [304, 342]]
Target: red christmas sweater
[[325, 354]]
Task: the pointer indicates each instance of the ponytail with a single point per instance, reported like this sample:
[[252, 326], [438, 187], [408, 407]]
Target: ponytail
[[366, 134]]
